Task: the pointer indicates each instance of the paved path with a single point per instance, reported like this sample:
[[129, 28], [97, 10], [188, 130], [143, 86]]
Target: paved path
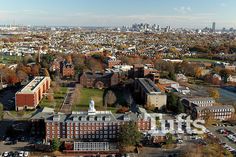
[[67, 104]]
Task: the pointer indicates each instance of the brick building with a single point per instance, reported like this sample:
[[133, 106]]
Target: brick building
[[67, 69], [144, 71], [90, 126], [99, 80], [30, 96], [222, 112], [200, 107]]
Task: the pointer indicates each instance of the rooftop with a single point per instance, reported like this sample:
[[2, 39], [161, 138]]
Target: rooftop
[[32, 85], [149, 86]]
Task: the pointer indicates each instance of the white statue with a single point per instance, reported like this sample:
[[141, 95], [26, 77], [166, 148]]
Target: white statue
[[92, 106]]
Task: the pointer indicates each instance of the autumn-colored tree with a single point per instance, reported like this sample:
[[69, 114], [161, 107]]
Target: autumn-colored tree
[[35, 70], [55, 87], [46, 73], [208, 116], [198, 72], [12, 79], [21, 75], [50, 97], [110, 98], [69, 59], [122, 110], [225, 73], [214, 92]]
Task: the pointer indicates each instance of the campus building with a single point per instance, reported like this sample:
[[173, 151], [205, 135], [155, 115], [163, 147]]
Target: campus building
[[149, 93], [222, 112], [89, 130], [202, 107], [99, 80], [144, 71], [67, 69], [30, 96]]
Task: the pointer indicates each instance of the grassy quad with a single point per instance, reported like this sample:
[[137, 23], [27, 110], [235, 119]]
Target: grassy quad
[[58, 99], [85, 96]]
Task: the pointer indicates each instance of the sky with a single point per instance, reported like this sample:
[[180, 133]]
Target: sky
[[176, 13]]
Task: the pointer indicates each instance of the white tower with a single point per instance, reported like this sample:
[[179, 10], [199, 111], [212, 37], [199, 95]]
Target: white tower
[[92, 110]]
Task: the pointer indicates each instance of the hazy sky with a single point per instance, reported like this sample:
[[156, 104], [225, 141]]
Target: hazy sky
[[176, 13]]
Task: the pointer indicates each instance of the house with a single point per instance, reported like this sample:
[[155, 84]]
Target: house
[[181, 78], [216, 77], [231, 79], [112, 61]]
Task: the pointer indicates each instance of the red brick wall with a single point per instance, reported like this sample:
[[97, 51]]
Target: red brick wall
[[25, 100]]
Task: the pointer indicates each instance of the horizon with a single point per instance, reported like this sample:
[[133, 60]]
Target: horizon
[[104, 13]]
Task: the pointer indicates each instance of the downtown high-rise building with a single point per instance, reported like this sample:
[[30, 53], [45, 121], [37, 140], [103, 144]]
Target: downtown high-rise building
[[213, 27]]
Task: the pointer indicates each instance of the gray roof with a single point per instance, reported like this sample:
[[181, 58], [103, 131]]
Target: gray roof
[[149, 85], [100, 116]]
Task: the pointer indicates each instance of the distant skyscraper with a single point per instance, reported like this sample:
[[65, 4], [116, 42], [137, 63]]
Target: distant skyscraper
[[213, 27]]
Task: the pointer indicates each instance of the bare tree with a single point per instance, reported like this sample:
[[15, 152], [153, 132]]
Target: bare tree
[[110, 98]]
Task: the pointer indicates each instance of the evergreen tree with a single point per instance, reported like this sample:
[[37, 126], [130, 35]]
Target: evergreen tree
[[129, 134], [56, 144]]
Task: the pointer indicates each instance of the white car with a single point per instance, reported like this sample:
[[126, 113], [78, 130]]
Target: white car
[[5, 154], [21, 153], [26, 154]]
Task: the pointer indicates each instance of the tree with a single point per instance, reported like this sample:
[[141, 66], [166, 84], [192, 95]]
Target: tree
[[35, 70], [12, 79], [69, 59], [1, 111], [129, 134], [50, 97], [122, 110], [214, 92], [21, 75], [208, 116], [180, 107], [46, 73], [110, 98], [224, 73], [198, 72], [171, 75], [169, 138], [55, 144], [172, 101]]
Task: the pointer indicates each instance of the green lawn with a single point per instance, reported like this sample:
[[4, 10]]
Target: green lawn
[[9, 59], [58, 99], [200, 60], [85, 96]]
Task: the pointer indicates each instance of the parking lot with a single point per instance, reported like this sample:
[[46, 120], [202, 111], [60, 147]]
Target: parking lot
[[224, 136], [20, 146]]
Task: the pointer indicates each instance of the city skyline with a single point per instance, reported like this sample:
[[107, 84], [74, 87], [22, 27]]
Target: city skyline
[[184, 13]]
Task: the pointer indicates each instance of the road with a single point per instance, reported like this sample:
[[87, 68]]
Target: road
[[227, 96]]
